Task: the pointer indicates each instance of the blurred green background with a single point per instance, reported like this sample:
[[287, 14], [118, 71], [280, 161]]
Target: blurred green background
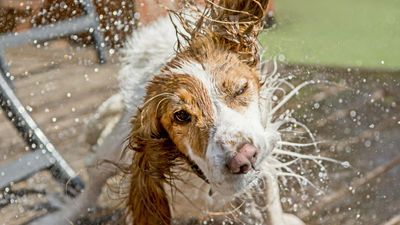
[[341, 33]]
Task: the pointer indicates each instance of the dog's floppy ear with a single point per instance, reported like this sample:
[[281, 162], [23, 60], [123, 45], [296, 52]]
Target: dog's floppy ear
[[151, 166]]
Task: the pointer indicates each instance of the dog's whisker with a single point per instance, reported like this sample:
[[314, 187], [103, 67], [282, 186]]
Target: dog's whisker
[[301, 178], [290, 95], [284, 81], [274, 71], [297, 177], [299, 144], [308, 131], [291, 131], [303, 156], [228, 212], [284, 164]]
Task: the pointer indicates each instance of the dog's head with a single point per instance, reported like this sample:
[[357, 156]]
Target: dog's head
[[204, 108]]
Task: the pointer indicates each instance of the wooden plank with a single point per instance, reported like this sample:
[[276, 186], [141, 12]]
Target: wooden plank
[[56, 52], [62, 114]]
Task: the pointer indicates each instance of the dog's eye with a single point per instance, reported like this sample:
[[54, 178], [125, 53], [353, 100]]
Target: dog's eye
[[182, 116], [242, 89]]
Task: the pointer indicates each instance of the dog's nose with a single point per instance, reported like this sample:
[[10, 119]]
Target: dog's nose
[[241, 163]]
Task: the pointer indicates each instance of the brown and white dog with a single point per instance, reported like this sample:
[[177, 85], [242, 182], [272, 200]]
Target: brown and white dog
[[193, 120]]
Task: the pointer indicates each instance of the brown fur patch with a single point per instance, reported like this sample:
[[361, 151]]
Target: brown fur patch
[[191, 96]]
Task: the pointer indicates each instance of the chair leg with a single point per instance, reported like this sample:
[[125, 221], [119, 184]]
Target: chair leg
[[98, 37], [36, 140], [5, 72]]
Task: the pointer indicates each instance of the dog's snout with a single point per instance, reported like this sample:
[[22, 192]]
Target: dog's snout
[[242, 162]]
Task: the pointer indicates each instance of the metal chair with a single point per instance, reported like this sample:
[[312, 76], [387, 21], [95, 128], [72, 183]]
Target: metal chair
[[43, 155]]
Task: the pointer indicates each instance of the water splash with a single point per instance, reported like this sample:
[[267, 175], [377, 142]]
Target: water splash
[[272, 118]]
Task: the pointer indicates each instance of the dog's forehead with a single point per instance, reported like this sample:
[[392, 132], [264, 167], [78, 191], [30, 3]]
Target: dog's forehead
[[219, 77], [213, 67], [196, 71]]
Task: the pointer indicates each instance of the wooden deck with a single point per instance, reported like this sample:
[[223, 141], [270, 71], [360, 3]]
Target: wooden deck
[[62, 85]]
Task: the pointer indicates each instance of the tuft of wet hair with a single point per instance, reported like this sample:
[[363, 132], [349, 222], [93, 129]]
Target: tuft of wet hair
[[229, 24]]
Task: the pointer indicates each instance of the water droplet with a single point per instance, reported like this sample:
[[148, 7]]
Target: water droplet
[[371, 125], [345, 164], [68, 95], [54, 119], [367, 143], [353, 113], [316, 105]]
